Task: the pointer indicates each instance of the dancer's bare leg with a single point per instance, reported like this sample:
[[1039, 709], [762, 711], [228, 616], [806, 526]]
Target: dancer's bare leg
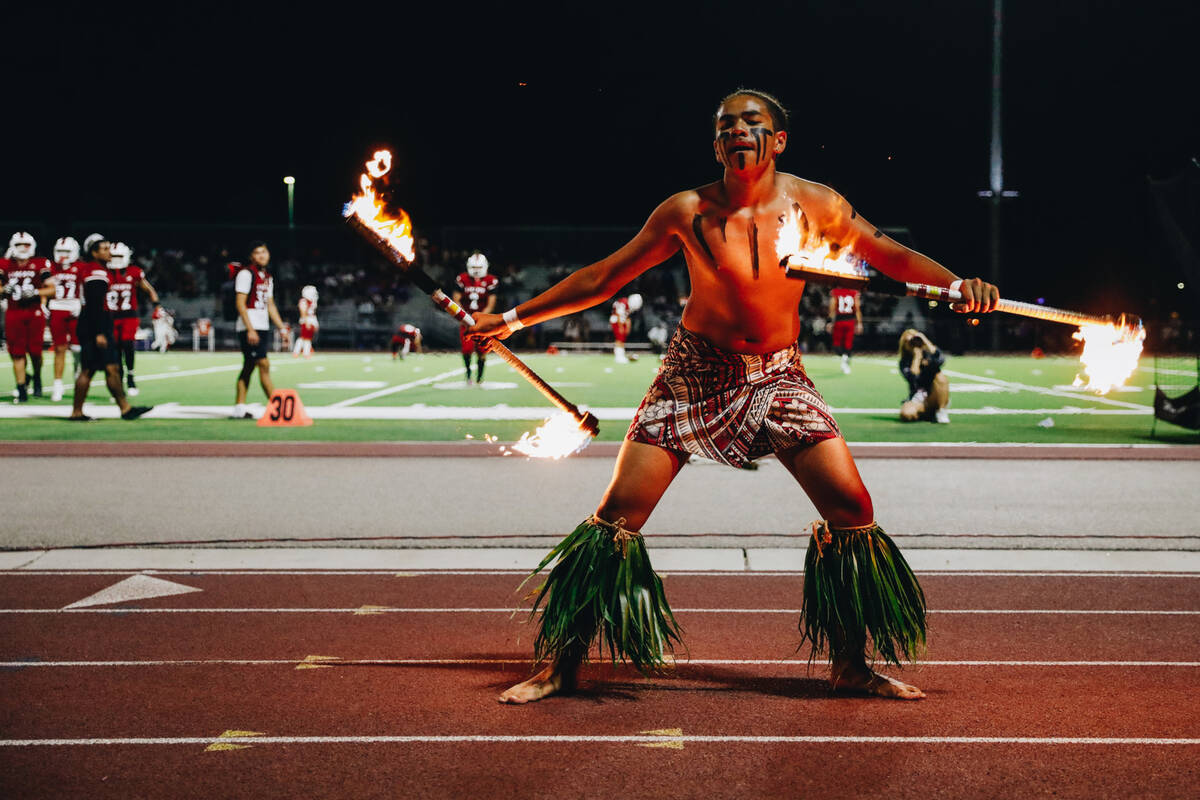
[[828, 475], [643, 472]]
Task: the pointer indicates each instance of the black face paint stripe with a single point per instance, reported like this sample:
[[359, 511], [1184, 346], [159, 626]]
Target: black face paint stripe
[[760, 142], [741, 159], [699, 231], [722, 222], [853, 213], [754, 248]]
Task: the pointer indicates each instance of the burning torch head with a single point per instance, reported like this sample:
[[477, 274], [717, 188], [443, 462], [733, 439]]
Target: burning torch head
[[590, 424], [477, 265]]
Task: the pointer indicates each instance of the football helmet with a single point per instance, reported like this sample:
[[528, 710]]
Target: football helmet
[[634, 301], [91, 240], [120, 255], [309, 293], [22, 245], [477, 265], [66, 250]]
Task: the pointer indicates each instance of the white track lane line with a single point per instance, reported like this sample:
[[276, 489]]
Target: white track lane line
[[613, 739], [390, 610], [393, 389], [436, 662], [522, 573]]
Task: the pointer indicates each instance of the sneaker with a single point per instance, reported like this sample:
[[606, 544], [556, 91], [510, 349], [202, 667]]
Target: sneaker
[[942, 416], [37, 387], [22, 394], [131, 390], [135, 411], [56, 393], [80, 418], [845, 367]]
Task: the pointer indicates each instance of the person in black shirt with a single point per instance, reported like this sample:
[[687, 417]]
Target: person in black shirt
[[98, 346], [928, 389]]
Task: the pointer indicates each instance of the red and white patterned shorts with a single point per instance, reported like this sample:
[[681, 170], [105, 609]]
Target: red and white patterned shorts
[[730, 407]]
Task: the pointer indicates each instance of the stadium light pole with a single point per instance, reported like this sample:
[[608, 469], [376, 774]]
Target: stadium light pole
[[996, 193], [291, 190]]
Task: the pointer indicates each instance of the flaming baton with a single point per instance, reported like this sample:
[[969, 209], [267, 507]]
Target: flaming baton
[[392, 236], [1110, 349]]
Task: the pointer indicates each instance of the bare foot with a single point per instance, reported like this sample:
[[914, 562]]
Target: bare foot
[[554, 679], [861, 679]]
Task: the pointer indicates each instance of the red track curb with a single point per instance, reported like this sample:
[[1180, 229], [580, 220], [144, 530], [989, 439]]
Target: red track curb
[[597, 450]]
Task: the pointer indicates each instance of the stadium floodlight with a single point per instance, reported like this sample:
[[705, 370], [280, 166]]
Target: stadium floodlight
[[291, 190]]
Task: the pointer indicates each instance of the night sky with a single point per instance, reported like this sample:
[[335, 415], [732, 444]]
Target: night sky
[[548, 115]]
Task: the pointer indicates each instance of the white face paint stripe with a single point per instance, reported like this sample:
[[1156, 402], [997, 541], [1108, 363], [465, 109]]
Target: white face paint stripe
[[599, 739]]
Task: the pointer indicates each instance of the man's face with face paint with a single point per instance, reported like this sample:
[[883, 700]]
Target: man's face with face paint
[[745, 135]]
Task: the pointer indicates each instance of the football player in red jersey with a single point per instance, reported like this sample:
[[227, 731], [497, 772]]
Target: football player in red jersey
[[125, 280], [26, 281], [623, 309], [407, 337], [845, 314], [475, 291], [97, 345], [308, 321], [64, 310]]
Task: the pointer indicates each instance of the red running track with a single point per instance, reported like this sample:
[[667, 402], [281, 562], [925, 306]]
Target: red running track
[[96, 702]]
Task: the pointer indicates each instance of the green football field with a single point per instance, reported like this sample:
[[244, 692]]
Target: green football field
[[370, 397]]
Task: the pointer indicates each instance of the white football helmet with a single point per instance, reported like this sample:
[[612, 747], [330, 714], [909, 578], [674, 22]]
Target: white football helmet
[[120, 255], [22, 245], [309, 293], [66, 250], [634, 301], [91, 240], [477, 265]]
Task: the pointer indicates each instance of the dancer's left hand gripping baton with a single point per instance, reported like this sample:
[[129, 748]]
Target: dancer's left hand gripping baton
[[587, 421]]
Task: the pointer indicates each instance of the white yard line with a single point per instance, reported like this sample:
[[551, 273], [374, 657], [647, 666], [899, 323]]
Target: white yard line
[[333, 661], [183, 373], [367, 610], [599, 739], [1029, 388], [393, 389]]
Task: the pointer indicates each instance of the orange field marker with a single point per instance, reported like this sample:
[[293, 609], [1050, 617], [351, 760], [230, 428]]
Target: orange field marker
[[284, 409]]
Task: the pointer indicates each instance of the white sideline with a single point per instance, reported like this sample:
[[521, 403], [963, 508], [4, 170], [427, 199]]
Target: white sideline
[[594, 739], [735, 560]]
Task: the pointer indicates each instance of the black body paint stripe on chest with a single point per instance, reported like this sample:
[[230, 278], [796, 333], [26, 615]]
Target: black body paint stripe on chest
[[754, 248], [698, 230]]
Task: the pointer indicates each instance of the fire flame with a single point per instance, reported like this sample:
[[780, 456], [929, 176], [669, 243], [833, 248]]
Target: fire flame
[[1110, 355], [797, 246], [372, 212], [558, 437]]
